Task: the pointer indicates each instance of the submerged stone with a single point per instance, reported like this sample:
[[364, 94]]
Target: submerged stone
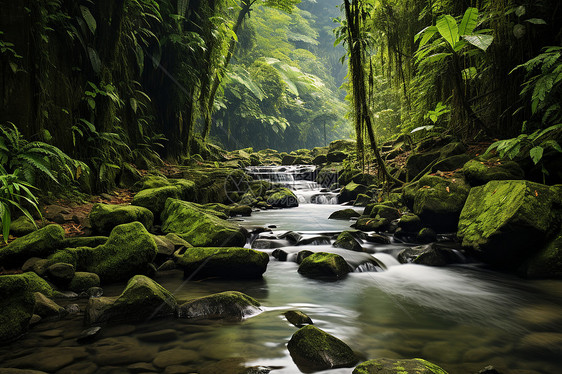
[[231, 305], [431, 255], [389, 366], [297, 318]]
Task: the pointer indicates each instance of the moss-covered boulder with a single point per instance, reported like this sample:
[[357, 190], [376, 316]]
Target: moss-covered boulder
[[128, 251], [230, 305], [200, 227], [22, 226], [61, 273], [142, 299], [344, 214], [221, 262], [84, 241], [342, 145], [430, 255], [547, 263], [347, 240], [83, 281], [47, 308], [410, 223], [506, 222], [451, 163], [336, 156], [154, 199], [322, 265], [389, 366], [439, 201], [283, 198], [40, 243], [372, 224], [418, 162], [351, 191], [104, 217], [481, 171], [17, 302], [384, 211], [313, 349], [298, 318], [362, 200]]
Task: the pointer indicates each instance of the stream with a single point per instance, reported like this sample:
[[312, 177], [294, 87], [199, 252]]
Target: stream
[[462, 318]]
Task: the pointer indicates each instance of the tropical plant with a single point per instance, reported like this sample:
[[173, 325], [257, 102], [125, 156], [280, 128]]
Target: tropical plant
[[15, 195]]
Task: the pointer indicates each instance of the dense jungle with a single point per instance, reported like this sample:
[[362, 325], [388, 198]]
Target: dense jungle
[[281, 186]]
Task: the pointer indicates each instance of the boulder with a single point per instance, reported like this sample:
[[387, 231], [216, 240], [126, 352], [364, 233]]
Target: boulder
[[439, 201], [142, 299], [223, 262], [506, 222], [346, 240], [154, 199], [547, 263], [430, 255], [40, 243], [324, 265], [451, 163], [47, 308], [426, 235], [104, 217], [342, 145], [61, 273], [384, 211], [390, 366], [83, 281], [230, 305], [297, 318], [480, 171], [336, 156], [344, 214], [313, 349], [200, 227], [410, 223], [372, 224], [362, 200], [283, 198], [378, 238], [22, 226], [320, 159], [128, 251], [351, 191], [17, 301], [417, 162]]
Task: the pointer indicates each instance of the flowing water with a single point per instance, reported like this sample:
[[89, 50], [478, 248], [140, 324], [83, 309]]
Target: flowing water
[[462, 318]]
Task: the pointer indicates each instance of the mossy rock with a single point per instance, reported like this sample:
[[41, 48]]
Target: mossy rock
[[143, 299], [298, 318], [351, 191], [223, 262], [342, 145], [154, 199], [40, 243], [389, 366], [384, 211], [417, 162], [439, 201], [83, 281], [410, 223], [344, 214], [336, 156], [346, 240], [47, 308], [328, 175], [151, 181], [372, 224], [346, 176], [17, 302], [200, 227], [547, 263], [452, 149], [324, 265], [128, 251], [319, 160], [362, 200], [230, 305], [84, 241], [313, 349], [104, 217], [430, 255], [479, 171], [506, 222], [451, 163], [22, 226], [61, 273], [283, 198]]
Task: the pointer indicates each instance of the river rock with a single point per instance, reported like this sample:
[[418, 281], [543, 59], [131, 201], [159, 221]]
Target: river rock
[[410, 223], [431, 255], [314, 349], [506, 222], [362, 200], [297, 318], [50, 359], [200, 227], [104, 217], [372, 224], [17, 301], [324, 265], [426, 235], [128, 251], [378, 238], [40, 243], [351, 191], [160, 336], [222, 262], [344, 214], [47, 308], [481, 171], [302, 255], [347, 240], [61, 273], [22, 226], [83, 281], [230, 305], [141, 300], [383, 211], [283, 198], [547, 263], [389, 366]]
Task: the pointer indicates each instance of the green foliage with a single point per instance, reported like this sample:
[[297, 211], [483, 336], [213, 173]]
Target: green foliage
[[15, 195]]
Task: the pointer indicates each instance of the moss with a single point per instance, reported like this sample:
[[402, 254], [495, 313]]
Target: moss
[[346, 240], [389, 366], [505, 221], [324, 266], [223, 262], [547, 263], [283, 198], [372, 224], [22, 226], [230, 305], [384, 211], [314, 349], [104, 217], [344, 214], [351, 191], [200, 227], [151, 181], [84, 241], [362, 200], [154, 199], [40, 243], [82, 281], [478, 171], [410, 223]]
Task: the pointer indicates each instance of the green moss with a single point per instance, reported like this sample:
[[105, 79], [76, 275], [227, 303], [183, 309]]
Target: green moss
[[84, 241], [384, 211], [344, 214], [104, 217], [40, 243], [154, 199], [22, 226], [389, 366], [232, 305], [312, 348], [283, 198], [346, 240], [410, 223], [82, 281], [478, 171], [200, 227], [547, 263], [223, 262], [324, 265], [351, 191]]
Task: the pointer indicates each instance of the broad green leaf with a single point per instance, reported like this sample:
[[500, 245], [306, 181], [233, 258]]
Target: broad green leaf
[[438, 57], [430, 127], [89, 18], [520, 11], [482, 42], [536, 21], [536, 154], [134, 104], [469, 21], [94, 60], [449, 30]]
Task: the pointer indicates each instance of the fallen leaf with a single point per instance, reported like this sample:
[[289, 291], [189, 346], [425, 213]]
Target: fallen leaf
[[536, 193], [494, 191], [447, 188]]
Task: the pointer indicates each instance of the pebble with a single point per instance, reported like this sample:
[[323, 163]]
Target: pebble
[[88, 335]]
